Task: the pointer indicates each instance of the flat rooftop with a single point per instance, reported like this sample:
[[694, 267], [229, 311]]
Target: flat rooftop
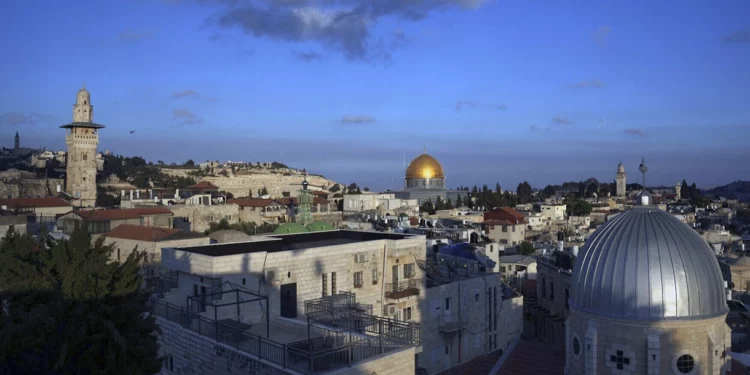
[[286, 242]]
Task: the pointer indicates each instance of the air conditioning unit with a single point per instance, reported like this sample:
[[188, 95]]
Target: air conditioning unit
[[359, 258], [391, 309]]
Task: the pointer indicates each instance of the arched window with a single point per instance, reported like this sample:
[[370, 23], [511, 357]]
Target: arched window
[[85, 156]]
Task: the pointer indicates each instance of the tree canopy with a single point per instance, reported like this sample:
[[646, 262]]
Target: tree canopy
[[68, 310], [250, 228], [526, 248]]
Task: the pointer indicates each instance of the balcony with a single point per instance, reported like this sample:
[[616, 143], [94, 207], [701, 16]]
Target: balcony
[[402, 289]]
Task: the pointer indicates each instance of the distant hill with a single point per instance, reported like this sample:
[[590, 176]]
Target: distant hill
[[737, 190]]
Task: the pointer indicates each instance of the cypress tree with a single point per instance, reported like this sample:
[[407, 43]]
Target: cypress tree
[[69, 310]]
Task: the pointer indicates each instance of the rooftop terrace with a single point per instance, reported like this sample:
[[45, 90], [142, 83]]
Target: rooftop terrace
[[286, 242]]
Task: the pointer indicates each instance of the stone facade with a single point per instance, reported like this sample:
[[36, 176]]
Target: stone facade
[[621, 181], [507, 234], [645, 347], [29, 188], [548, 310], [188, 353], [200, 216], [123, 247], [82, 141]]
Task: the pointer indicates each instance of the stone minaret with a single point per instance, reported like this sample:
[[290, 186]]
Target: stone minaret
[[678, 190], [621, 180], [82, 138], [17, 144]]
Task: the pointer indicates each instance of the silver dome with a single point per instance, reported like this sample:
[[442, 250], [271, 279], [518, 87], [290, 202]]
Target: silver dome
[[647, 265]]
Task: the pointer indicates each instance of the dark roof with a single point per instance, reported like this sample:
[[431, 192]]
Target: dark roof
[[82, 125], [524, 359], [141, 233], [293, 242], [123, 214], [34, 202], [253, 202], [203, 185]]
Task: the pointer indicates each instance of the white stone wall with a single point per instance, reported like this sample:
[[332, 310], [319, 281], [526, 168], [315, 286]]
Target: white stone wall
[[201, 216], [651, 347], [126, 246], [469, 300], [192, 354], [398, 363]]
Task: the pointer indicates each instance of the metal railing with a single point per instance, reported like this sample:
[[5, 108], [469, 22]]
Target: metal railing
[[402, 289], [306, 360]]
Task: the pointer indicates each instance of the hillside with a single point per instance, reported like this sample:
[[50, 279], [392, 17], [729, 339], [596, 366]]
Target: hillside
[[737, 190]]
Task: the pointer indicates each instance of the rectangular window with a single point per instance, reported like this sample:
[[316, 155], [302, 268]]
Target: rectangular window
[[447, 350], [447, 304], [551, 291], [333, 283], [358, 279], [476, 297], [407, 314], [408, 270], [514, 229], [374, 276], [505, 228], [169, 362], [567, 295], [325, 284], [544, 288]]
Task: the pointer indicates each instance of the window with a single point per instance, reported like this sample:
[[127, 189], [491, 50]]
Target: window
[[514, 229], [685, 364], [447, 350], [476, 297], [447, 304], [620, 360], [408, 270], [243, 281], [544, 288], [358, 279], [169, 362], [374, 276], [576, 346], [325, 284], [406, 314], [333, 283], [551, 291], [505, 228], [118, 253], [567, 296]]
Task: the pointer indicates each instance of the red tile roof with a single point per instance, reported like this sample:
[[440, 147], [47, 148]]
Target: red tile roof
[[129, 213], [505, 213], [203, 185], [525, 360], [498, 222], [254, 202], [34, 202], [140, 233]]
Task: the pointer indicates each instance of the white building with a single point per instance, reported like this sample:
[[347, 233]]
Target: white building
[[385, 202], [553, 212], [330, 301]]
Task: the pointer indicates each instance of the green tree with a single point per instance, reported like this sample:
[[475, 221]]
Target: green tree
[[69, 310], [459, 203], [334, 188], [526, 248], [578, 207], [524, 192], [190, 163], [549, 191], [264, 191], [498, 190], [427, 207]]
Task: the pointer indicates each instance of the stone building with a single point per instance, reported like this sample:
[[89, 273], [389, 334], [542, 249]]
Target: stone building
[[403, 310], [126, 238], [45, 207], [425, 181], [82, 138], [102, 221], [621, 181], [505, 226], [647, 297]]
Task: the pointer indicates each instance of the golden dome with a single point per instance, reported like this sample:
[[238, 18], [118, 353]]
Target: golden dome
[[424, 166]]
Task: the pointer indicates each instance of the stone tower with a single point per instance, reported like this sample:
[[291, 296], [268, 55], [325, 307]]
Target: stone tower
[[82, 138], [17, 144], [678, 190], [621, 180]]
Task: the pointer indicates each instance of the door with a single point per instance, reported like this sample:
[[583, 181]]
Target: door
[[289, 300], [394, 278]]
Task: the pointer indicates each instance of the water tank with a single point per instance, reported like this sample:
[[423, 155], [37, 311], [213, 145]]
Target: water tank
[[59, 188], [574, 251]]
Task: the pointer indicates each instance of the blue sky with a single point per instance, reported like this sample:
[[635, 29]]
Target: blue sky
[[496, 90]]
